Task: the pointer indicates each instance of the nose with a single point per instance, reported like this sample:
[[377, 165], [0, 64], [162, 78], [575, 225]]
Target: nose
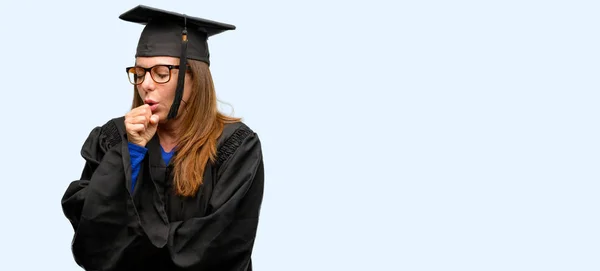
[[148, 84]]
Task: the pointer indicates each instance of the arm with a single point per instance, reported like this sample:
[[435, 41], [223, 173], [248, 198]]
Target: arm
[[137, 154], [99, 205], [225, 238]]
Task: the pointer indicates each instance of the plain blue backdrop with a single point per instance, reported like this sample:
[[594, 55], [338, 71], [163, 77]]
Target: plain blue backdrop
[[397, 135]]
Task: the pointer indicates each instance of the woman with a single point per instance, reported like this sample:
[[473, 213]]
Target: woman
[[174, 184]]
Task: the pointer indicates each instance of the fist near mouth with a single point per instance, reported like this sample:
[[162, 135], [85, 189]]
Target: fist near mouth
[[141, 125]]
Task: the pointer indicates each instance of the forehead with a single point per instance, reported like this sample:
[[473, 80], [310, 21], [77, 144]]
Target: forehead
[[155, 60]]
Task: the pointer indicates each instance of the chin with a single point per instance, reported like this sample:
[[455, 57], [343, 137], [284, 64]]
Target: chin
[[162, 119]]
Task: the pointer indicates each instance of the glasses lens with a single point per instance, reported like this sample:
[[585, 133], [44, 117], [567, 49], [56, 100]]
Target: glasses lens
[[136, 75], [161, 74]]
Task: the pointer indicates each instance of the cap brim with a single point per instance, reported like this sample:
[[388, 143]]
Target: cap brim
[[143, 14]]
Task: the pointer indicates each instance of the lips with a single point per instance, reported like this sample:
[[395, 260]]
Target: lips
[[153, 104]]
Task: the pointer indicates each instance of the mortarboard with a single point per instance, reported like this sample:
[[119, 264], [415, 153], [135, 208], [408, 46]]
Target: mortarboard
[[172, 34]]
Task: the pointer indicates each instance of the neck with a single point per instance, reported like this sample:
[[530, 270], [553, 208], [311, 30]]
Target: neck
[[168, 133]]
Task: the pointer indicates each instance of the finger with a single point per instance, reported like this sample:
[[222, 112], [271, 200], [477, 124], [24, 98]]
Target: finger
[[146, 111], [154, 119], [140, 110], [131, 113], [140, 119], [129, 117], [136, 127], [141, 107]]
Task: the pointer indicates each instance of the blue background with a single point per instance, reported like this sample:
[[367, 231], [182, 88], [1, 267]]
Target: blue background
[[397, 135]]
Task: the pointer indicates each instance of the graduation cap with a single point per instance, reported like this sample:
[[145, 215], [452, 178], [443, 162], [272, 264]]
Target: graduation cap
[[173, 34]]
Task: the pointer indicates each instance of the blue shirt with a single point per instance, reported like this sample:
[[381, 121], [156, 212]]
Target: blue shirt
[[137, 154]]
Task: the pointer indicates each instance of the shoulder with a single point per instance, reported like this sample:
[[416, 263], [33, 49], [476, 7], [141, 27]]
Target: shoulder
[[102, 138], [235, 131], [110, 133], [233, 136], [114, 129]]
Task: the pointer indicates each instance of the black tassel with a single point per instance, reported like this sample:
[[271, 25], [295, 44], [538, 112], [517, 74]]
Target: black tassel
[[181, 77]]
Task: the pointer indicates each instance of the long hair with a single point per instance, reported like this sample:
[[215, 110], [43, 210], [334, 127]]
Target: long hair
[[201, 126]]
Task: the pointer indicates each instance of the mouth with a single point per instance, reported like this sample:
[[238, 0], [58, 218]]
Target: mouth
[[153, 105]]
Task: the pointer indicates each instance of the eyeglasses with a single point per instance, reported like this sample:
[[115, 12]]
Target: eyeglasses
[[160, 73]]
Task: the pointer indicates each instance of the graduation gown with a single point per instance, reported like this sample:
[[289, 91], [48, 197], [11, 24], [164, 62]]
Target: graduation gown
[[151, 228]]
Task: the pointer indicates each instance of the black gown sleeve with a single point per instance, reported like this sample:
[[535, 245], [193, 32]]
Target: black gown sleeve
[[100, 207], [223, 240]]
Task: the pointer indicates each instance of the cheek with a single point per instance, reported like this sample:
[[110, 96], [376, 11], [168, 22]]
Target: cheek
[[140, 92]]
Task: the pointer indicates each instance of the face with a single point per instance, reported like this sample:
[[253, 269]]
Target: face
[[160, 95]]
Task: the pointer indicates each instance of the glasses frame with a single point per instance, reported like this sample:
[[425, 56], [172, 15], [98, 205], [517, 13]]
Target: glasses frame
[[146, 70]]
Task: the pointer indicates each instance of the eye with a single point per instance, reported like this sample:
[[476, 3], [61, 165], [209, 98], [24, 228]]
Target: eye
[[162, 75]]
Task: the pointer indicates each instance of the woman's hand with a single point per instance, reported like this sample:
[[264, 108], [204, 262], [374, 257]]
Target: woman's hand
[[140, 125]]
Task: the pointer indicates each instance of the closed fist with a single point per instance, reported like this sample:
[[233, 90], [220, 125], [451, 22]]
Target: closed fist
[[140, 125]]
